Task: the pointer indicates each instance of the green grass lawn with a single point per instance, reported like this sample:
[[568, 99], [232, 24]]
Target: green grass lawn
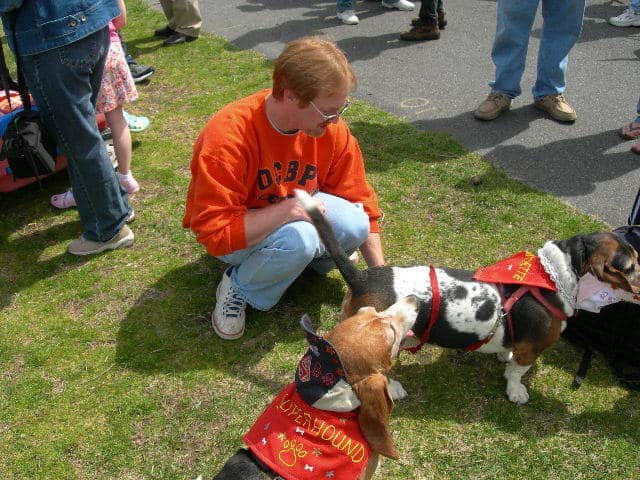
[[109, 368]]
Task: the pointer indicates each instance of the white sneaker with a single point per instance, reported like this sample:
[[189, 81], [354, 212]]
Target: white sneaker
[[228, 316], [348, 17], [628, 18], [403, 5]]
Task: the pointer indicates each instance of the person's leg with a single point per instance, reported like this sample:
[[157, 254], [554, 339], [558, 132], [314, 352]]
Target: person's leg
[[122, 146], [509, 52], [64, 83], [344, 5], [121, 138], [262, 273], [428, 13], [350, 224], [561, 27], [186, 17], [167, 9], [346, 13]]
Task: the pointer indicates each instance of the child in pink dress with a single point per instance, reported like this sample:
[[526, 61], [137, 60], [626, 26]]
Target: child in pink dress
[[117, 88]]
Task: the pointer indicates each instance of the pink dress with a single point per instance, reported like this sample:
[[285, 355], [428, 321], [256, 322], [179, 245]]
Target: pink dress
[[117, 86]]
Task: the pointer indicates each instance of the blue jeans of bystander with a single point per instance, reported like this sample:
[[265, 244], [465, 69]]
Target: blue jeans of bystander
[[64, 83], [263, 272], [561, 27], [344, 5]]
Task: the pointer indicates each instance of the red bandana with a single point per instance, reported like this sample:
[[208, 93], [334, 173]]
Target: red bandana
[[523, 268], [300, 442]]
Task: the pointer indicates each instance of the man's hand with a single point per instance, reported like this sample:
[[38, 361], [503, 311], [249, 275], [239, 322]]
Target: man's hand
[[260, 223]]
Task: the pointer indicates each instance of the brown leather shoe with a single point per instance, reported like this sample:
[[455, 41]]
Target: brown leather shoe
[[421, 33], [492, 106], [631, 131], [557, 107], [442, 20]]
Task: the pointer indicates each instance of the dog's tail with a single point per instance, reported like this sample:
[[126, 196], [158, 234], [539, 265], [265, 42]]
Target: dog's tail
[[349, 271]]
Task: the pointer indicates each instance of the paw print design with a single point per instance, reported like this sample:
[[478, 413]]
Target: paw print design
[[317, 370], [291, 451]]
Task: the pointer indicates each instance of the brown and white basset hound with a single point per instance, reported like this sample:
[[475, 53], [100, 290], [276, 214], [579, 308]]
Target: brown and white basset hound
[[457, 311], [333, 421]]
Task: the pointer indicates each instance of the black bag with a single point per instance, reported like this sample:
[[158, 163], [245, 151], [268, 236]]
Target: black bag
[[28, 147]]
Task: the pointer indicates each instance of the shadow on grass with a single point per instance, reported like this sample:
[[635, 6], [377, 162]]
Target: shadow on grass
[[169, 329], [26, 232], [469, 388]]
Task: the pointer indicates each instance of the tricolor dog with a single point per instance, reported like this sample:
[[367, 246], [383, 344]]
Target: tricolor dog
[[517, 320], [333, 421]]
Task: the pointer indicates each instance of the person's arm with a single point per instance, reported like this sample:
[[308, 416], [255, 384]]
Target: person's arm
[[121, 20], [372, 250], [260, 223]]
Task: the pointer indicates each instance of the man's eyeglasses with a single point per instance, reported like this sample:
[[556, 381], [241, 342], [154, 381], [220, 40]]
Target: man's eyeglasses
[[328, 118]]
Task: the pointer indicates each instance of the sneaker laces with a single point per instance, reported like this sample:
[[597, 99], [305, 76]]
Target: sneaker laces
[[232, 303]]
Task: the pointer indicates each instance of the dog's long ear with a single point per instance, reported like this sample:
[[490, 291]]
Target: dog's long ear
[[375, 411], [617, 266], [596, 265]]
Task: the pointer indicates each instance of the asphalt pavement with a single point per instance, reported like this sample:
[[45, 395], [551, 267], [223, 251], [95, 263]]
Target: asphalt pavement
[[437, 85]]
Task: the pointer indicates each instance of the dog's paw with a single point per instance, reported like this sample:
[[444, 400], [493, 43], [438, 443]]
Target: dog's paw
[[505, 356], [396, 390], [517, 393]]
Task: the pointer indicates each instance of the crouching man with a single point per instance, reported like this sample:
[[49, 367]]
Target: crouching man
[[247, 162]]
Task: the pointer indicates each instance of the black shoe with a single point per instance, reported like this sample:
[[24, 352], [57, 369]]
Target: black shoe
[[140, 72], [164, 32], [178, 38]]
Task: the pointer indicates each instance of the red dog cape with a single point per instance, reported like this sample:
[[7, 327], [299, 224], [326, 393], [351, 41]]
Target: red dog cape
[[301, 442], [523, 268]]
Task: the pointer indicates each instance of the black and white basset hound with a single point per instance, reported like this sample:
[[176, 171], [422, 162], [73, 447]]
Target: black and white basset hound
[[467, 313]]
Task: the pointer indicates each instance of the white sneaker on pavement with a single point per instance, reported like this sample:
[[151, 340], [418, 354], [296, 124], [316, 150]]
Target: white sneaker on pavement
[[628, 18], [229, 313], [403, 5], [348, 17]]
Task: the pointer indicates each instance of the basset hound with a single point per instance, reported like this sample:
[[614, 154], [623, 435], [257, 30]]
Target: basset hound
[[333, 421], [458, 311]]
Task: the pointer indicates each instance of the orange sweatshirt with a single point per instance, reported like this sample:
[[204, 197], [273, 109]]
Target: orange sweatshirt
[[241, 162]]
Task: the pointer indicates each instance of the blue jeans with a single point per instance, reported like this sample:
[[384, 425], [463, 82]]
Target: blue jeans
[[263, 272], [64, 83], [429, 11], [561, 27], [635, 5], [344, 5]]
